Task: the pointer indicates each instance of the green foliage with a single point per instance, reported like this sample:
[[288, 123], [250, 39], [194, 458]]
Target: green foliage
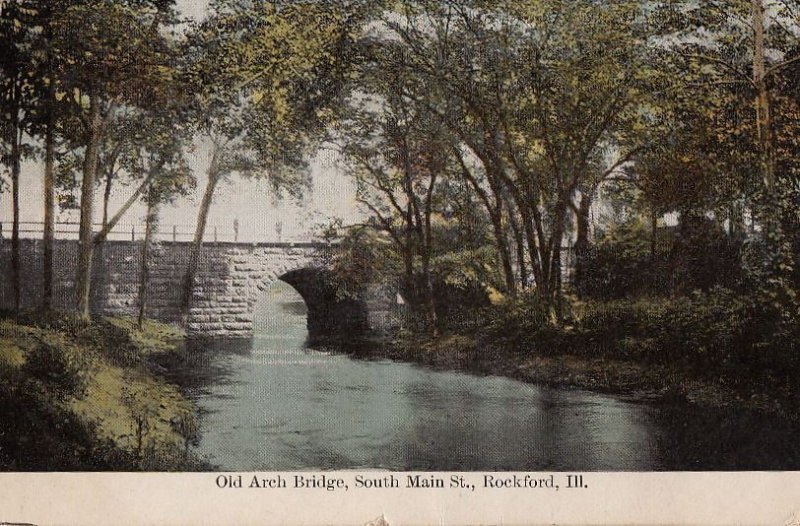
[[152, 338], [38, 435], [627, 262], [143, 413], [517, 322], [66, 406], [621, 264], [703, 329], [612, 271], [726, 127], [544, 108], [63, 372], [112, 50], [703, 255], [717, 335], [362, 256], [468, 270], [265, 78], [632, 238]]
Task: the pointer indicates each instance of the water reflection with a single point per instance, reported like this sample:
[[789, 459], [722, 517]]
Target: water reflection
[[277, 405]]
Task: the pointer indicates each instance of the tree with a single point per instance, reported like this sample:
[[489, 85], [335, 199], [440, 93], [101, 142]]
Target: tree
[[16, 94], [54, 113], [51, 78], [748, 47], [266, 76], [539, 105], [115, 52], [161, 157], [398, 154]]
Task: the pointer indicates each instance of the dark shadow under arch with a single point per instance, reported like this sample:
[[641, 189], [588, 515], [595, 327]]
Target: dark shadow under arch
[[328, 315]]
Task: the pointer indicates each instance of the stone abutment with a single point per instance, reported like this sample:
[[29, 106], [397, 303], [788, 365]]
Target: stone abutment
[[230, 278]]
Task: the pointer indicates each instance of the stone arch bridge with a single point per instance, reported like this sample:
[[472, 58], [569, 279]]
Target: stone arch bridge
[[231, 277]]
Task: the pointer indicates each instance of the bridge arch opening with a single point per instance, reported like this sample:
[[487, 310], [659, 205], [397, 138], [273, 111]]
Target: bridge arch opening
[[281, 311], [307, 291]]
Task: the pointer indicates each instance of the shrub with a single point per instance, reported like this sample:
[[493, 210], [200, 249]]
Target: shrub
[[187, 426], [46, 436], [151, 339], [604, 322], [517, 321], [708, 330], [611, 271], [64, 372], [697, 254], [714, 333]]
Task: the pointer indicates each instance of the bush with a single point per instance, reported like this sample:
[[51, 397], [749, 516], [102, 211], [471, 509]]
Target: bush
[[708, 330], [64, 373], [39, 435], [697, 254], [714, 333], [611, 271], [718, 333], [517, 321], [152, 338]]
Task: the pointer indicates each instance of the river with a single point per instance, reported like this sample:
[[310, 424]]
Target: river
[[277, 405]]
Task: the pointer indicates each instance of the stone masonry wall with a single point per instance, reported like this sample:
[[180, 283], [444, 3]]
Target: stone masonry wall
[[230, 278]]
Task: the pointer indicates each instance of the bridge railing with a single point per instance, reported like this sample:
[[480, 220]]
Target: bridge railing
[[134, 232]]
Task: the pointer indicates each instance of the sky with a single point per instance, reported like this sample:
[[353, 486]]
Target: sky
[[251, 203], [193, 8]]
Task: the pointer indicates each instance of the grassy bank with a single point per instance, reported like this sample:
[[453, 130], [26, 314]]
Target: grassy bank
[[81, 395]]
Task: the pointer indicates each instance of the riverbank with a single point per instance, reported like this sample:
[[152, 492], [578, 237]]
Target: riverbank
[[90, 396], [716, 349], [624, 378]]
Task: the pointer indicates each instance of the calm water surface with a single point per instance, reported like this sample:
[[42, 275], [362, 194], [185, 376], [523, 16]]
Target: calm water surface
[[278, 405]]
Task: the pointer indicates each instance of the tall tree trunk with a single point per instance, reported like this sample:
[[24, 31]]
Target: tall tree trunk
[[519, 244], [86, 240], [774, 203], [553, 278], [430, 297], [107, 196], [49, 211], [500, 232], [582, 242], [553, 292], [109, 225], [533, 249], [197, 244], [16, 155], [763, 117], [495, 212], [504, 252], [408, 286], [555, 267], [408, 257], [48, 236], [151, 223], [427, 245], [736, 220], [533, 225], [653, 234]]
